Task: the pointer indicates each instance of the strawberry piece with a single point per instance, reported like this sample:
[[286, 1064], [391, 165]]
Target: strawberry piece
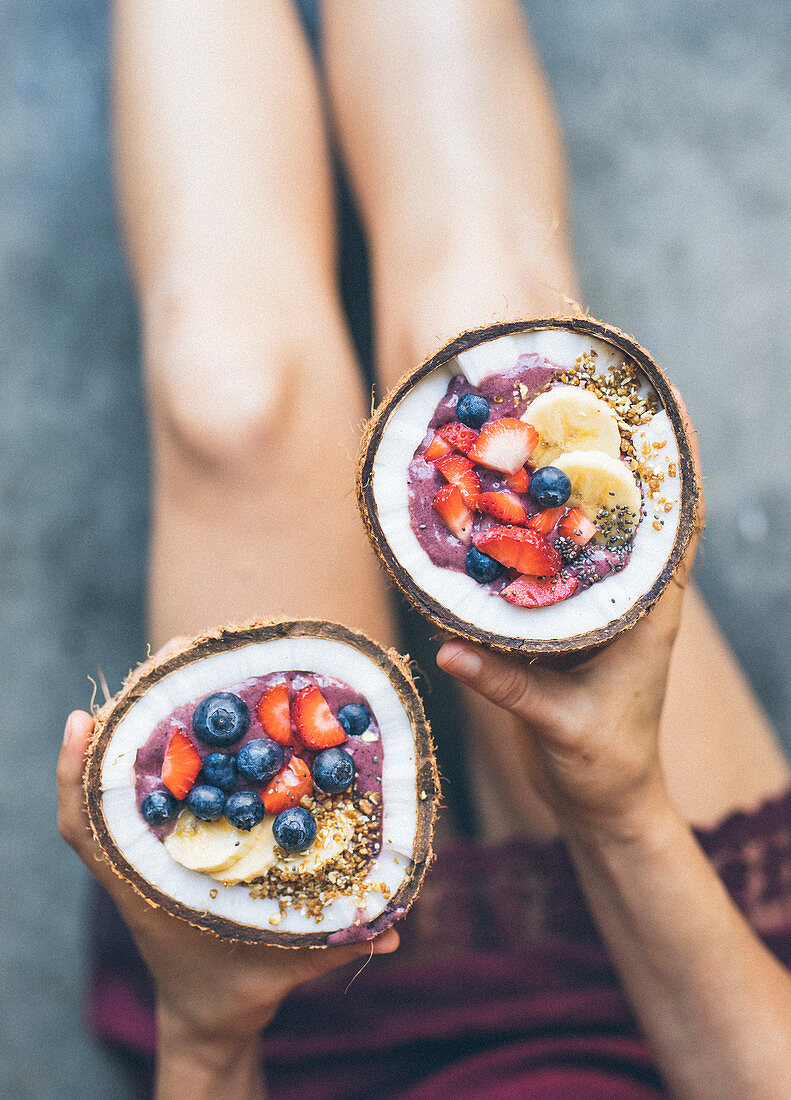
[[181, 764], [546, 521], [576, 526], [505, 444], [459, 436], [289, 786], [274, 714], [504, 506], [520, 548], [538, 591], [519, 482], [459, 471], [454, 513], [317, 726], [437, 448]]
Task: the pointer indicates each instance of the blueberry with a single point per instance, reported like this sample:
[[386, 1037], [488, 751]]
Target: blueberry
[[159, 807], [354, 718], [294, 829], [550, 487], [473, 410], [244, 809], [259, 760], [481, 567], [333, 770], [219, 770], [221, 719], [206, 803]]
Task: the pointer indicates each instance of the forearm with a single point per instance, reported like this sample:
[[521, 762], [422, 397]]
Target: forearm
[[205, 1069], [714, 1004]]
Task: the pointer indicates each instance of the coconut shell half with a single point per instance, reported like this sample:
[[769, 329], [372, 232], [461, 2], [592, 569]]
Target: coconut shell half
[[220, 661], [453, 601]]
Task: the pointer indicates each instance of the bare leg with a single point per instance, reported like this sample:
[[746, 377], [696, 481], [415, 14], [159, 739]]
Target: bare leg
[[461, 178], [255, 397], [450, 134]]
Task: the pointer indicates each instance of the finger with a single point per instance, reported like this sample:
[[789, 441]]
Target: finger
[[387, 942], [313, 964], [505, 681], [72, 817], [384, 944]]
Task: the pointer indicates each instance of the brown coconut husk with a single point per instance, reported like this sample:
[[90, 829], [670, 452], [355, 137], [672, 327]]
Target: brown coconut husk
[[558, 652], [142, 678]]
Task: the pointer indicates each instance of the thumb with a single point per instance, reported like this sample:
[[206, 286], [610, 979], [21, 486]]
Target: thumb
[[384, 944], [72, 817], [507, 682]]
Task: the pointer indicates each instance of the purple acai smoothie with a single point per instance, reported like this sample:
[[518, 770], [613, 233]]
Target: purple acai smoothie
[[508, 394], [366, 750]]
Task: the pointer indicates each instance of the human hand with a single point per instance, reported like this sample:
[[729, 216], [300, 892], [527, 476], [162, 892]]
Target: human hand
[[210, 992], [590, 733]]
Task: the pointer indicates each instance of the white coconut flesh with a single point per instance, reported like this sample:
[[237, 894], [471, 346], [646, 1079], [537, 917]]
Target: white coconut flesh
[[589, 610], [202, 892]]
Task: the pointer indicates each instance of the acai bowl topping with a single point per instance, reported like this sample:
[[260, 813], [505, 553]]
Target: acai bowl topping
[[528, 480], [275, 783], [268, 782], [557, 450]]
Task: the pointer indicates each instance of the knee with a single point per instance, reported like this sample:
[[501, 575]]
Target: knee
[[219, 398]]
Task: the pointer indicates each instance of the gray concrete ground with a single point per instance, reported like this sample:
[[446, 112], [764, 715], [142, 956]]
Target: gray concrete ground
[[678, 116]]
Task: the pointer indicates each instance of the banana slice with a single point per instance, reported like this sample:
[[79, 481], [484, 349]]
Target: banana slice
[[207, 845], [334, 836], [569, 418], [604, 488], [256, 861]]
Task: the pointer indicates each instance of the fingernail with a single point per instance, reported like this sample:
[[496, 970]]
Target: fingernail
[[462, 662], [67, 731]]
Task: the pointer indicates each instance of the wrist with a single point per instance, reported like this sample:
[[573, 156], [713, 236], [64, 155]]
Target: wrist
[[203, 1062], [642, 822]]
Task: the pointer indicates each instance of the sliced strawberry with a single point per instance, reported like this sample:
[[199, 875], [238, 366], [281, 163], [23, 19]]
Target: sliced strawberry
[[520, 548], [519, 482], [289, 786], [458, 470], [317, 726], [459, 436], [181, 764], [538, 591], [437, 448], [504, 506], [576, 526], [505, 444], [454, 513], [546, 521], [274, 714]]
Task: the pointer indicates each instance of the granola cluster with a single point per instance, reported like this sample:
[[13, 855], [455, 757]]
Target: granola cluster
[[337, 817]]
